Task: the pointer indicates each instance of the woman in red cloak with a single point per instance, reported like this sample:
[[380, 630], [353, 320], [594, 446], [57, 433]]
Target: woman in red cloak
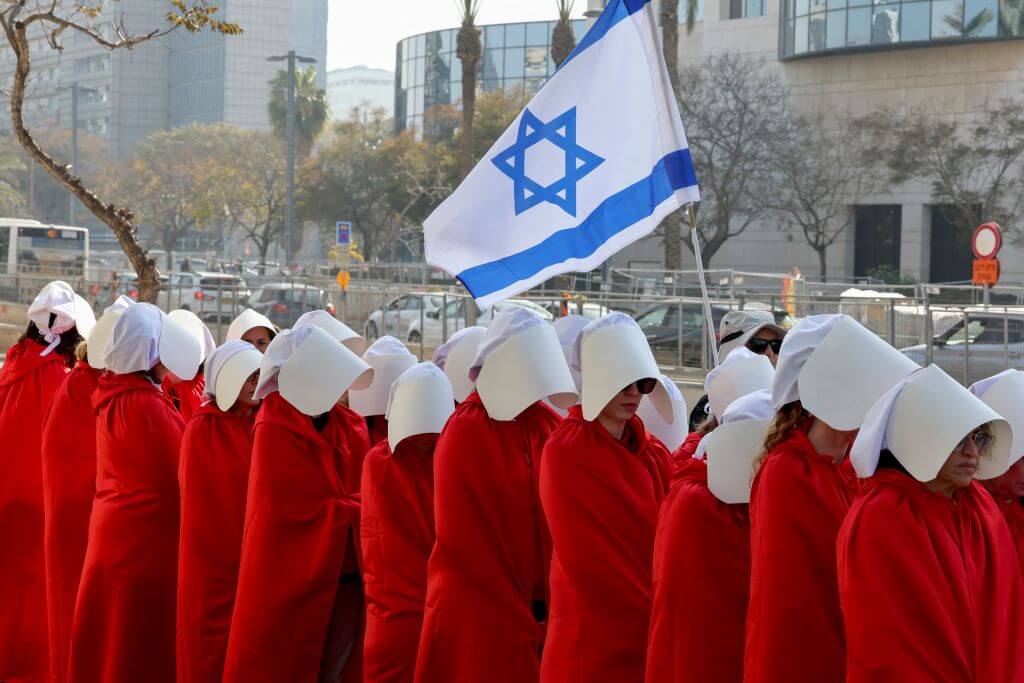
[[299, 599], [213, 476], [188, 395], [389, 358], [397, 519], [487, 574], [929, 581], [35, 368], [830, 371], [702, 549], [602, 480], [69, 485], [123, 627]]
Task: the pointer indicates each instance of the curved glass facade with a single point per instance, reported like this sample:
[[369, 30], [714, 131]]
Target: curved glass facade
[[816, 26], [428, 73]]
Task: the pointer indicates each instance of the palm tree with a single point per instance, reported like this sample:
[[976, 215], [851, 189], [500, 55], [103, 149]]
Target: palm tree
[[670, 44], [468, 50], [563, 42], [311, 108]]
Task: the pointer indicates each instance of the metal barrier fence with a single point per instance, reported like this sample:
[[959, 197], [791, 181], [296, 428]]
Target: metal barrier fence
[[968, 341]]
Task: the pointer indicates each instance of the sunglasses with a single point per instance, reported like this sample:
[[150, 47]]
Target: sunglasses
[[982, 438], [761, 346], [644, 386]]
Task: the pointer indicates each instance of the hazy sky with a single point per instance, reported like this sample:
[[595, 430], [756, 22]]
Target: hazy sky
[[365, 31]]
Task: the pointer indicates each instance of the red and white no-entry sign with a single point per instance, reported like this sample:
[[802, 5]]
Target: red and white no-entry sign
[[987, 240]]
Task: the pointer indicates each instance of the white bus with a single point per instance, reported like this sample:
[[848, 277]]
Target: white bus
[[30, 251]]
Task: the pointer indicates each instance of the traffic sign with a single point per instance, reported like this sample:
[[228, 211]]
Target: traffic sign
[[987, 240], [344, 233], [344, 277], [986, 271]]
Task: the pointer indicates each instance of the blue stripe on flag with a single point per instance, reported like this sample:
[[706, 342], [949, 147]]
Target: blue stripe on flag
[[611, 15], [612, 216]]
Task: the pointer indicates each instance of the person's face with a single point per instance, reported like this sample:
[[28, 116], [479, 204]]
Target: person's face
[[258, 337], [1009, 485], [624, 405], [761, 343], [245, 396], [959, 469]]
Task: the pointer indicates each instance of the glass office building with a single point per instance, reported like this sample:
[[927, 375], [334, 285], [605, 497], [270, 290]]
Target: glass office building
[[817, 26], [428, 73]]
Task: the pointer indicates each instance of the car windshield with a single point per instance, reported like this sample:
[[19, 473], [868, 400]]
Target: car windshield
[[653, 318]]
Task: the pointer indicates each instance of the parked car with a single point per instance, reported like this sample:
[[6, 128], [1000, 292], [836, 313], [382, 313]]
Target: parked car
[[398, 314], [433, 326], [284, 302], [667, 324], [211, 296], [976, 347]]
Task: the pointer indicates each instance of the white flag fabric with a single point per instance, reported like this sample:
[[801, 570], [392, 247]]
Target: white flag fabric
[[596, 160]]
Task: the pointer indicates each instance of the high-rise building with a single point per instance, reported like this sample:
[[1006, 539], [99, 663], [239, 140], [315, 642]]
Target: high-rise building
[[428, 72], [360, 87], [176, 80]]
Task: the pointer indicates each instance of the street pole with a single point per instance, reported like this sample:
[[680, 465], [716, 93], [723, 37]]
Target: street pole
[[289, 216], [74, 149]]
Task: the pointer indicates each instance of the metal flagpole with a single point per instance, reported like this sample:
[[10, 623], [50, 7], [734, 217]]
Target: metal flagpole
[[703, 285]]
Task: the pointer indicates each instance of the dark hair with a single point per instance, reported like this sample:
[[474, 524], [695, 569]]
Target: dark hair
[[888, 461], [68, 340], [707, 426], [699, 413]]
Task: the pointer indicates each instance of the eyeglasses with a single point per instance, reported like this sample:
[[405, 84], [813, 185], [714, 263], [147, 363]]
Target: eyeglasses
[[644, 386], [981, 437], [761, 346]]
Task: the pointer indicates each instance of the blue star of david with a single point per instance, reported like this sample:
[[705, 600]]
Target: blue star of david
[[561, 132]]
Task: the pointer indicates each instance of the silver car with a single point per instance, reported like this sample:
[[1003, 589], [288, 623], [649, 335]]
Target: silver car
[[976, 346]]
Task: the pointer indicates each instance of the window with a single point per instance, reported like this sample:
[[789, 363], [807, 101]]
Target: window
[[877, 235], [515, 35], [653, 319], [950, 258], [494, 37], [515, 62], [536, 64], [538, 33], [414, 303]]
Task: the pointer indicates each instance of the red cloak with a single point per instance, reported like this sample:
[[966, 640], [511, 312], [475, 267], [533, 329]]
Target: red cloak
[[601, 497], [397, 535], [187, 395], [357, 441], [701, 584], [213, 476], [930, 586], [487, 573], [28, 382], [1013, 512], [124, 619], [296, 611], [794, 627], [686, 450], [69, 486]]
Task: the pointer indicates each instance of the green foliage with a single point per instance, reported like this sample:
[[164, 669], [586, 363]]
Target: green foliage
[[194, 17], [890, 276], [311, 108]]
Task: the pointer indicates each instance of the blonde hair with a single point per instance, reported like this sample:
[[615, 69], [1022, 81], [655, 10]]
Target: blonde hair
[[81, 350], [787, 418], [707, 426]]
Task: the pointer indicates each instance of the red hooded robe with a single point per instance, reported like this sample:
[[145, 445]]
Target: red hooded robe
[[930, 586], [1013, 512], [701, 584], [214, 477], [299, 600], [397, 536], [794, 627], [487, 573], [187, 395], [124, 619], [377, 425], [69, 486], [357, 440], [601, 497], [28, 382], [686, 450]]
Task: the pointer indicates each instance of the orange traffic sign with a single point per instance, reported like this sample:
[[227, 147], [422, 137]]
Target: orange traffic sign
[[986, 271], [344, 277]]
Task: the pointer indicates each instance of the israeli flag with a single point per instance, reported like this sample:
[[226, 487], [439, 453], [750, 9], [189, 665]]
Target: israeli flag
[[596, 160]]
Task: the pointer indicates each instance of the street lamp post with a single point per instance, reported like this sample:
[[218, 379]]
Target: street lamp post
[[289, 203], [75, 90]]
